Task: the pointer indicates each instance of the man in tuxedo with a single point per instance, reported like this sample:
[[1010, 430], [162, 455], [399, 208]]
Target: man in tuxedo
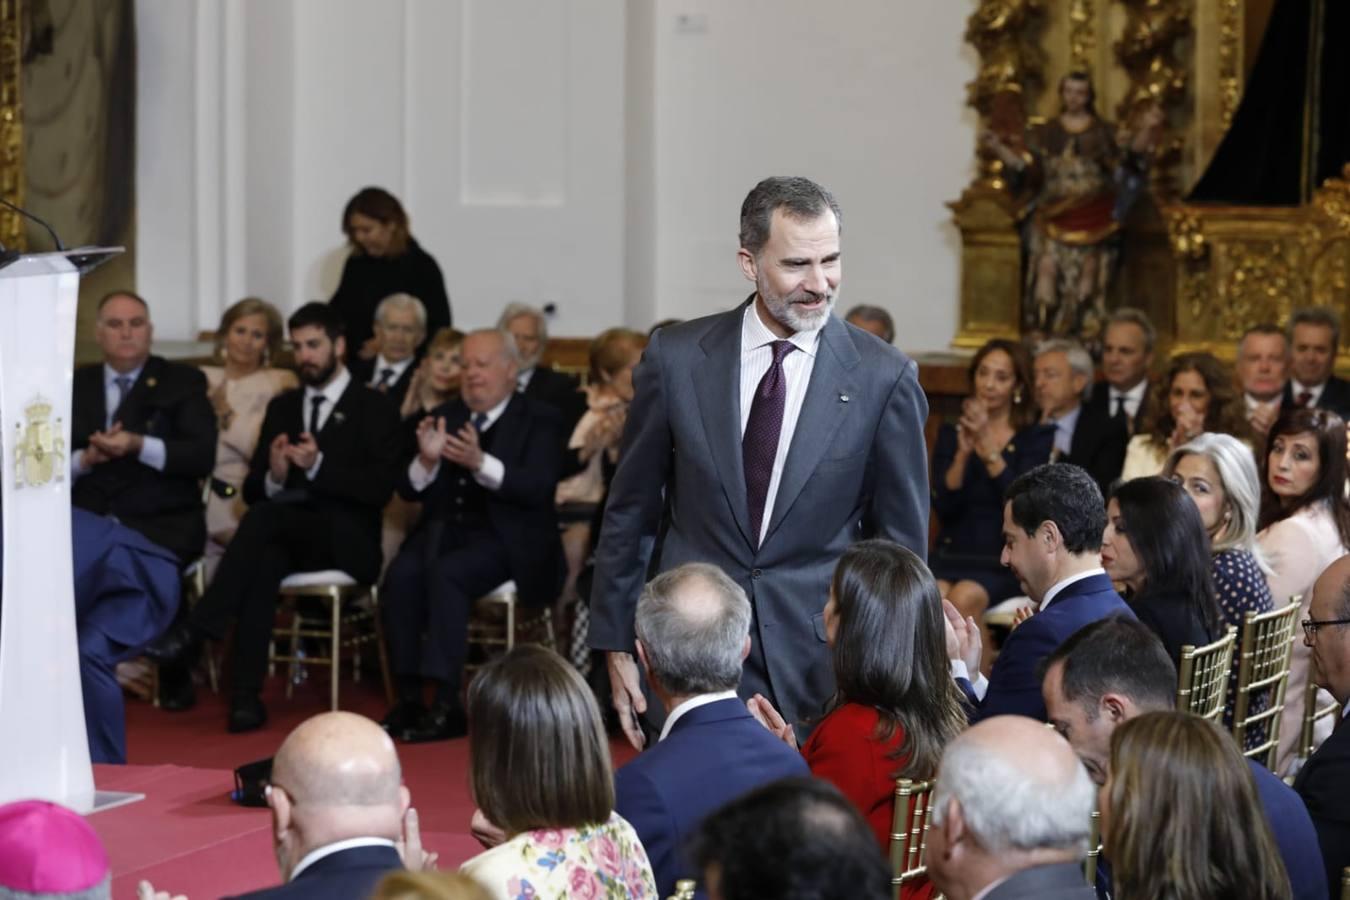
[[143, 433], [400, 326], [325, 466], [983, 843], [1324, 780], [485, 472], [693, 634], [763, 440], [1053, 519], [1314, 339], [541, 383], [1116, 406], [1116, 669]]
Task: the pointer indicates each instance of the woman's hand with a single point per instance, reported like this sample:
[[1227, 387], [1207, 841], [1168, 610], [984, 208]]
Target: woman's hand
[[412, 400], [766, 715], [963, 638], [1190, 424]]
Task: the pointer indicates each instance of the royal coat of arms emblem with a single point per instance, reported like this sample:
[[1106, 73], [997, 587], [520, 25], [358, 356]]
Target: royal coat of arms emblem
[[39, 449]]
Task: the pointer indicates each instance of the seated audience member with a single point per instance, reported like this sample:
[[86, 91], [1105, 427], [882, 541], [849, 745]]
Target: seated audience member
[[384, 260], [1117, 669], [794, 838], [400, 328], [1324, 781], [1219, 473], [485, 472], [429, 886], [1180, 816], [1053, 520], [1156, 545], [48, 851], [1314, 339], [1262, 362], [1305, 527], [142, 432], [1195, 396], [539, 382], [873, 319], [974, 461], [324, 467], [248, 338], [1115, 410], [1010, 815], [896, 705], [437, 377], [693, 632], [1062, 372], [540, 772]]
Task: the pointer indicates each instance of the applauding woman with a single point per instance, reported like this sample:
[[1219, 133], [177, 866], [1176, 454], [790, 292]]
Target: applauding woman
[[1196, 395]]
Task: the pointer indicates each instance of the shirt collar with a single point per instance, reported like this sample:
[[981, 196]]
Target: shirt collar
[[1297, 387], [1134, 394], [495, 413], [319, 853], [381, 364], [1069, 420], [110, 375], [755, 334], [332, 392], [1059, 586], [693, 703], [523, 378]]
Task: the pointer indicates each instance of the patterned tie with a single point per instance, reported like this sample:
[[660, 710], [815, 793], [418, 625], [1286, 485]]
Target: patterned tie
[[123, 383], [315, 402], [386, 378], [759, 446], [479, 420], [1303, 399]]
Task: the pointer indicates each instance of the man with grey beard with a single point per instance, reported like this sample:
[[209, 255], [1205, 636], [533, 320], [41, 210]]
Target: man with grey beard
[[763, 440]]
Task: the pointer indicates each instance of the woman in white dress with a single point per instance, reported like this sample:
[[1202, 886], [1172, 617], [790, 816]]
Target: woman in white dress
[[1196, 395]]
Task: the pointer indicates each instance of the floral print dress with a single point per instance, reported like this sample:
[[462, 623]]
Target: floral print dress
[[595, 861]]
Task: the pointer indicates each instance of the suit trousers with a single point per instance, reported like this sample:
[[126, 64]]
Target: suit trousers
[[273, 541], [430, 589]]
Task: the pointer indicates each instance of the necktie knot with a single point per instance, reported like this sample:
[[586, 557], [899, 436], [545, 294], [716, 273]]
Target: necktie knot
[[1304, 398], [386, 378], [479, 421], [780, 350], [1120, 406]]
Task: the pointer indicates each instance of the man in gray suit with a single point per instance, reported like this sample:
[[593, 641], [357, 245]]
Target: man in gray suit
[[763, 440], [1010, 815]]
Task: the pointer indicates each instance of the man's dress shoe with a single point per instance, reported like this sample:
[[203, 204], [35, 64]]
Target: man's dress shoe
[[247, 713], [176, 691], [404, 715], [440, 723], [177, 645]]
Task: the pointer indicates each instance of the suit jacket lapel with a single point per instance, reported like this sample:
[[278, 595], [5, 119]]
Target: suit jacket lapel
[[822, 414], [132, 411], [717, 384], [508, 431], [337, 419]]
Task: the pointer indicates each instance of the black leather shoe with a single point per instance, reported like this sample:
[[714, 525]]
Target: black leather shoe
[[404, 715], [247, 713], [440, 723], [176, 691], [180, 644]]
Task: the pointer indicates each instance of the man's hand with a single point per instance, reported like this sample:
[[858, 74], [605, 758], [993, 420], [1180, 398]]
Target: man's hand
[[146, 891], [463, 449], [93, 456], [766, 715], [278, 458], [116, 443], [304, 453], [963, 637], [431, 438], [627, 694], [1262, 416], [1021, 615], [485, 832], [409, 846]]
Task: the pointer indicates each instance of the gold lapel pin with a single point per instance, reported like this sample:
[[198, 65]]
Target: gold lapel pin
[[151, 381]]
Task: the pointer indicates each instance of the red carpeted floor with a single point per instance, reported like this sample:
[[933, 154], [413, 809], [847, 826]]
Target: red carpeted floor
[[188, 838]]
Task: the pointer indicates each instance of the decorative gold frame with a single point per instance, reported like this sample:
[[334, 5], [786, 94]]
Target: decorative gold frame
[[12, 231]]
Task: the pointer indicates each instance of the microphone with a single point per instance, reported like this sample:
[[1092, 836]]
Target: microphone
[[61, 248]]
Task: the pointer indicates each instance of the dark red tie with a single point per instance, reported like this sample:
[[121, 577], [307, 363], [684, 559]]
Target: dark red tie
[[1302, 399], [759, 446]]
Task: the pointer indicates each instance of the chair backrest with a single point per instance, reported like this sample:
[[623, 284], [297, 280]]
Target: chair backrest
[[1345, 883], [1263, 676], [1203, 676], [1094, 847], [909, 831], [1312, 714]]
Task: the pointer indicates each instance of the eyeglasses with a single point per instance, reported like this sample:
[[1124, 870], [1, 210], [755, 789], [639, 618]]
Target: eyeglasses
[[1310, 626]]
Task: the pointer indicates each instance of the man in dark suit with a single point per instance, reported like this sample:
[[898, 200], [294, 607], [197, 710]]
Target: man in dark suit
[[485, 471], [1053, 519], [1314, 339], [1324, 780], [1082, 435], [1262, 369], [541, 383], [1116, 669], [772, 436], [1115, 409], [143, 433], [325, 466], [980, 846], [693, 633], [400, 327]]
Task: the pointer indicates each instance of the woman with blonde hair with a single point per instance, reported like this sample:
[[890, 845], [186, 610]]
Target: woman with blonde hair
[[429, 886]]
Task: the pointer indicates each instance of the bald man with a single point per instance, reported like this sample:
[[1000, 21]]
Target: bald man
[[983, 839], [339, 809]]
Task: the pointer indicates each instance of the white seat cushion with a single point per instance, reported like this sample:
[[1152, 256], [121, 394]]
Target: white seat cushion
[[313, 579], [501, 590]]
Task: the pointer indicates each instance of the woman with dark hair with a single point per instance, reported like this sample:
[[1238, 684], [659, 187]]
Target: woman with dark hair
[[1305, 527], [1196, 395], [540, 771], [996, 440], [1181, 817], [384, 260], [896, 705], [1156, 545]]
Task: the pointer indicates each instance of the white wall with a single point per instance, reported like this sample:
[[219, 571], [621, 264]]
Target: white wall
[[589, 153]]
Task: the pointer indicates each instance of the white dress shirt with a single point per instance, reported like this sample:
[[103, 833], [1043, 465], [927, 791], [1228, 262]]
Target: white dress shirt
[[490, 474], [692, 703], [1134, 398], [1064, 429], [1059, 586], [331, 393], [396, 369], [319, 853], [523, 379], [1314, 391], [756, 357]]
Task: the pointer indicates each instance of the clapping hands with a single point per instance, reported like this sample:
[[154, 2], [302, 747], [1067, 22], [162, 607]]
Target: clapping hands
[[434, 443]]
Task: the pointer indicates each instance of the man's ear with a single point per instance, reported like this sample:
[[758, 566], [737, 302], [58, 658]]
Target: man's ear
[[745, 648], [642, 658], [280, 804], [749, 265], [1050, 535], [404, 800], [953, 826], [1116, 708]]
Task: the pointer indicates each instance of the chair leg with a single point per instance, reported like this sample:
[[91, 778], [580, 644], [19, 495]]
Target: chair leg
[[380, 647], [335, 650], [154, 685], [212, 667], [510, 623], [295, 667]]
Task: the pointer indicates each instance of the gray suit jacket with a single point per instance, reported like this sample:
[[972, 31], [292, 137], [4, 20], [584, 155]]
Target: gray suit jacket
[[1061, 881], [857, 467]]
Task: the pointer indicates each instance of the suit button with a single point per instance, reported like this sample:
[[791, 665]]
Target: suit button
[[755, 573], [459, 501], [462, 482]]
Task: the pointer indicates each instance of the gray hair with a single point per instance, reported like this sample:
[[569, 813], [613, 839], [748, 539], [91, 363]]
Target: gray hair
[[1266, 328], [406, 303], [508, 341], [866, 313], [1241, 484], [1322, 316], [1080, 361], [1008, 807], [799, 198], [100, 891], [695, 644], [1129, 315], [516, 310]]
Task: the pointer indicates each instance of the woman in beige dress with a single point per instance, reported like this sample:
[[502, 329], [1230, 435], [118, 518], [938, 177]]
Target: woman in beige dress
[[248, 338]]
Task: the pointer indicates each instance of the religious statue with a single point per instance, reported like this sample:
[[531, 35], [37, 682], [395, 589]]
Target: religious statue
[[1083, 176]]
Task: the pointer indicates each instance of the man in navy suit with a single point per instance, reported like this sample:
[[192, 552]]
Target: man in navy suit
[[1314, 338], [1116, 669], [1053, 519], [693, 634]]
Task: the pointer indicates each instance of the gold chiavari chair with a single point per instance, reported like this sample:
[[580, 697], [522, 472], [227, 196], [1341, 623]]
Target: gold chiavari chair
[[1345, 883], [1312, 714], [909, 831], [1203, 676], [1263, 673], [1094, 848], [684, 889]]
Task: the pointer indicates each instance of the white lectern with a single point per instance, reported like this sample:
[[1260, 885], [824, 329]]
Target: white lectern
[[44, 753]]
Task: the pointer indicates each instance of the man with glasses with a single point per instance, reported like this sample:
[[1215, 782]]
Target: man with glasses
[[1324, 781]]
